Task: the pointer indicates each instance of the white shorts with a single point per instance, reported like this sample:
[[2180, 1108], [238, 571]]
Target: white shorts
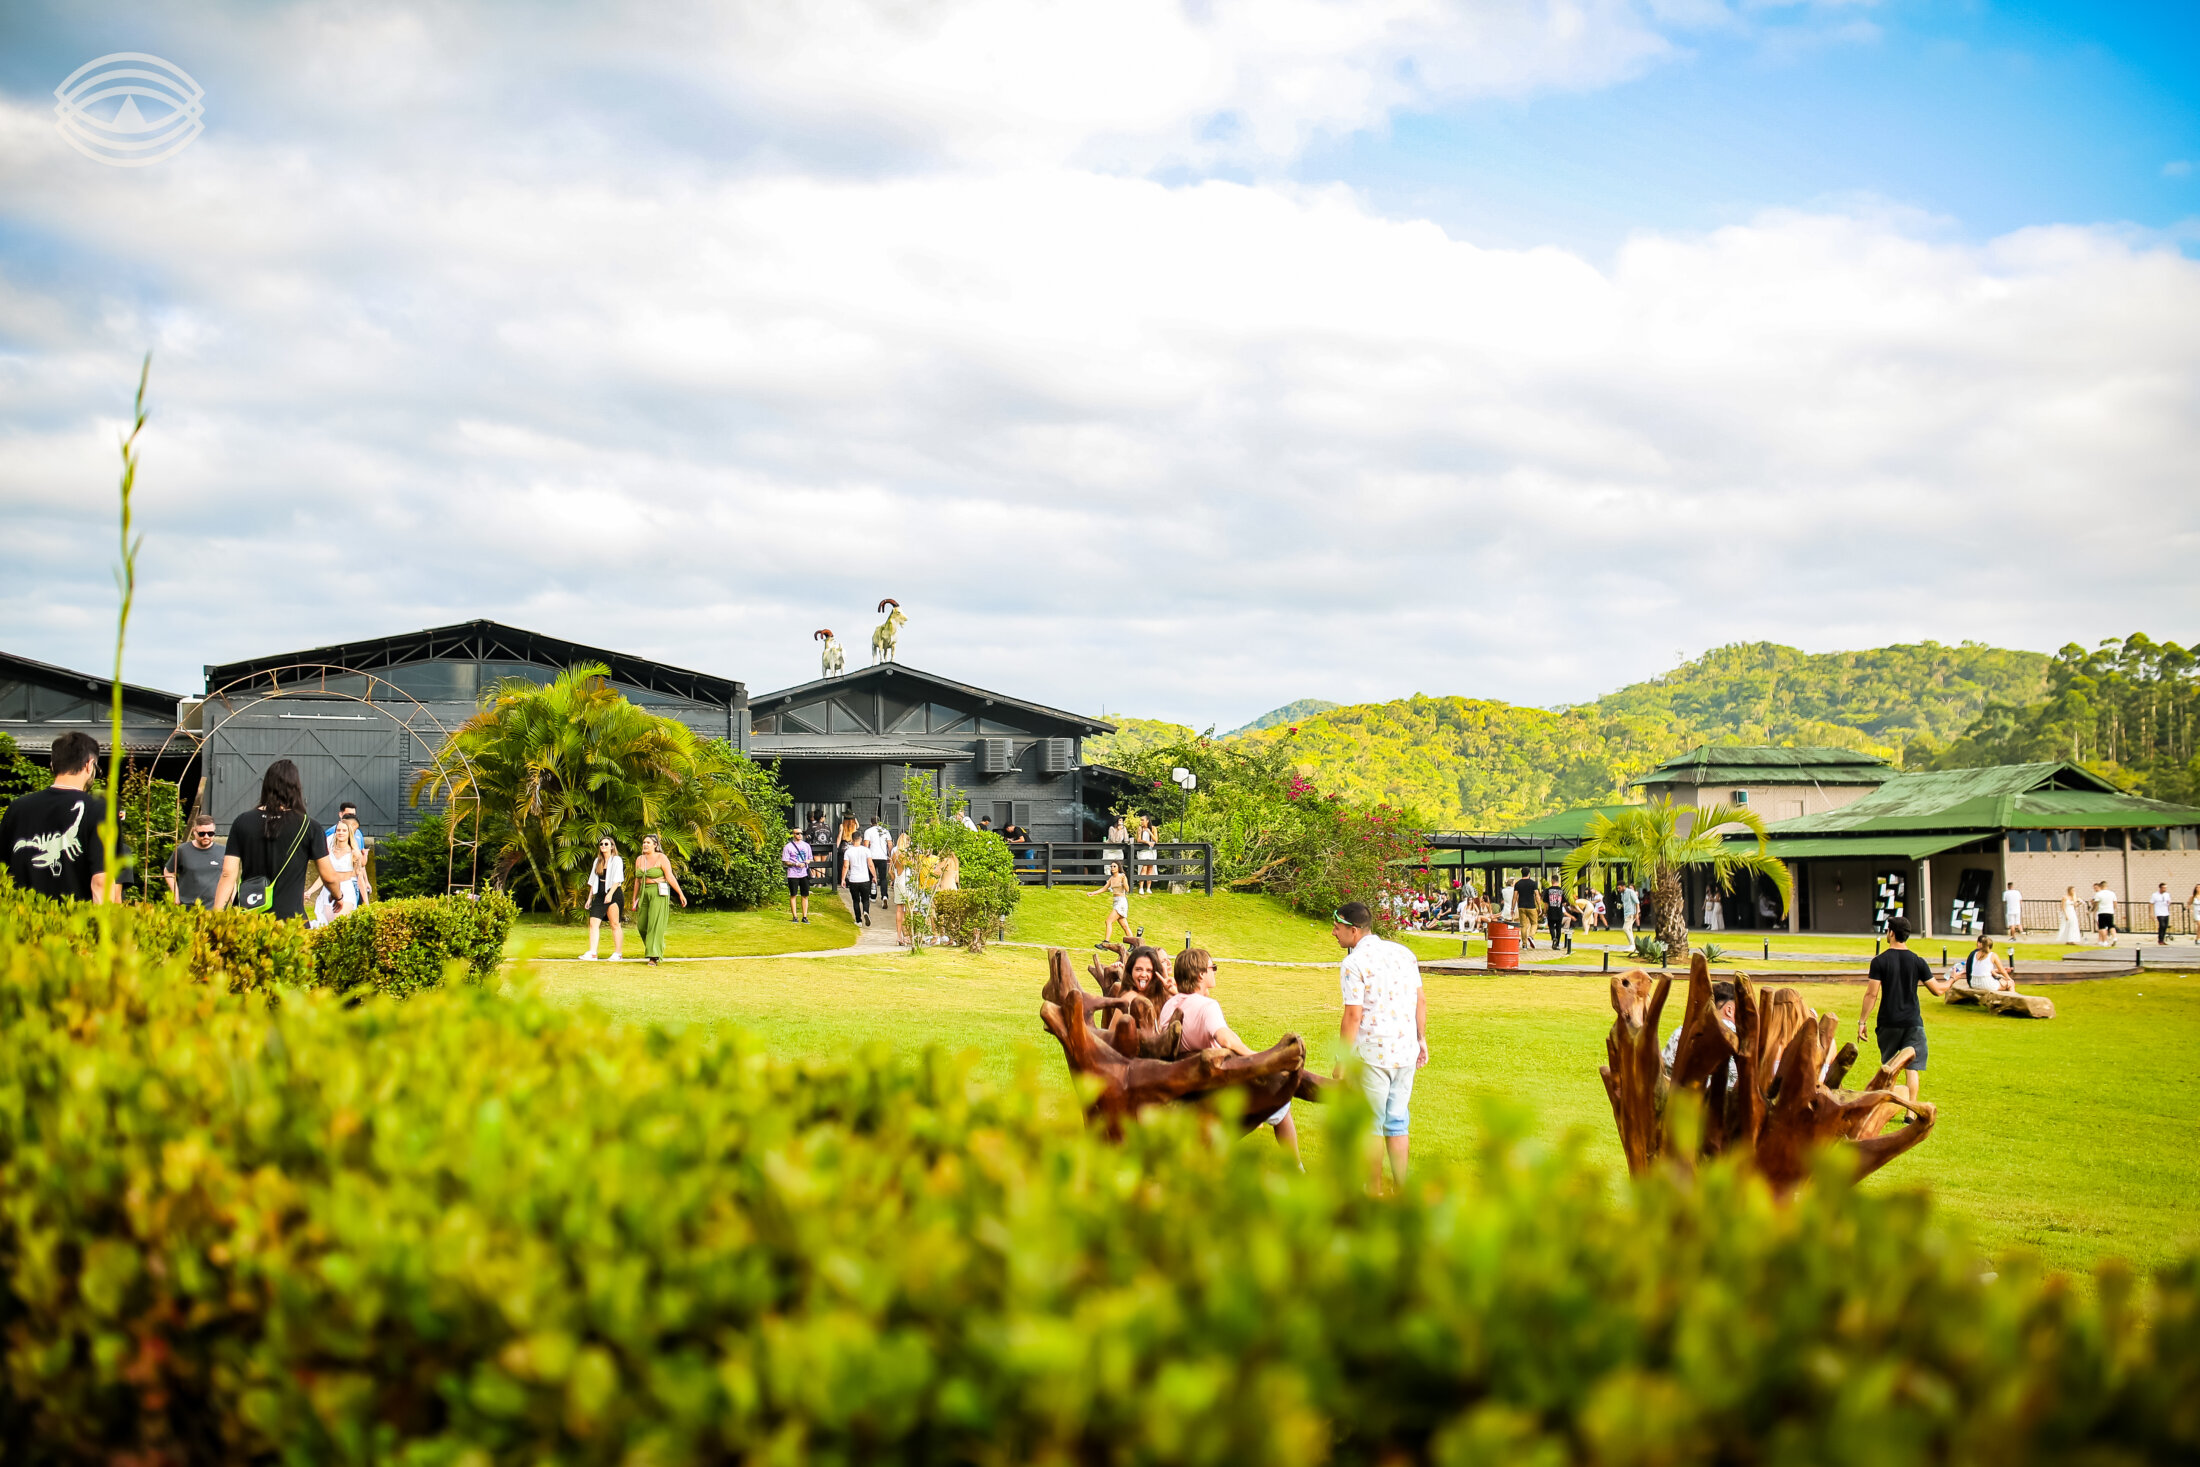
[[1122, 906]]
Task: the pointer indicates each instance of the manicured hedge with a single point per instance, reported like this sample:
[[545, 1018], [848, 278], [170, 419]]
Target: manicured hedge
[[473, 1228], [404, 946], [397, 947]]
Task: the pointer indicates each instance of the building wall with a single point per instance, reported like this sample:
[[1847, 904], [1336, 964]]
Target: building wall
[[2042, 875]]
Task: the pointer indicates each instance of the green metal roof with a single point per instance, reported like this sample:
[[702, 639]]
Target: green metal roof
[[1768, 764], [1570, 824], [1998, 797], [1865, 847]]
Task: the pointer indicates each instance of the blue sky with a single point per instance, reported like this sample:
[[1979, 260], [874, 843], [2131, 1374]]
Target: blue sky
[[1182, 360], [1988, 117]]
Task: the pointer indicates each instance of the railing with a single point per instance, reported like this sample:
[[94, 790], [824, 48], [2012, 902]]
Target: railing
[[1086, 863], [2138, 916]]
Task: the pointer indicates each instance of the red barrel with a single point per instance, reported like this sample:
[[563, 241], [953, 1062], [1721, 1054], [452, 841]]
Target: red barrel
[[1504, 944]]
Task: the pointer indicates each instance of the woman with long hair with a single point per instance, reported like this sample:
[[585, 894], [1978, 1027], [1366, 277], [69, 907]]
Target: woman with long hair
[[270, 849], [606, 899], [1146, 971], [902, 878], [1118, 892], [348, 893], [653, 869], [2067, 933], [1148, 856]]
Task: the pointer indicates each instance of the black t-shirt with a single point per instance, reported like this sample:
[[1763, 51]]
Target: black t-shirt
[[1898, 971], [50, 840], [284, 856], [1525, 890]]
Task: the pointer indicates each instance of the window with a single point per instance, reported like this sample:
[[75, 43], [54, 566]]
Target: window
[[845, 720], [2151, 838], [2101, 840], [1741, 797], [2032, 840], [948, 720], [2184, 838], [809, 719], [765, 725]]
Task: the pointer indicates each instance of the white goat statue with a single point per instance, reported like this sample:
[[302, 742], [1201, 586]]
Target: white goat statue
[[884, 639], [830, 657]]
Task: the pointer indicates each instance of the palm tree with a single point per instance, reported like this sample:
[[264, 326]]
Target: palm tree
[[558, 765], [1647, 840]]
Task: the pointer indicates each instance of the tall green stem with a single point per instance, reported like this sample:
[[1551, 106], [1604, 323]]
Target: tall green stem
[[110, 828]]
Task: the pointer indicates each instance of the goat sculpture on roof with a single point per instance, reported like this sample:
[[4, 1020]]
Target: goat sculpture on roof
[[830, 657], [888, 634]]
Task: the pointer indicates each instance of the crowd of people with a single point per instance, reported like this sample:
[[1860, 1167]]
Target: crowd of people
[[874, 867], [1546, 906]]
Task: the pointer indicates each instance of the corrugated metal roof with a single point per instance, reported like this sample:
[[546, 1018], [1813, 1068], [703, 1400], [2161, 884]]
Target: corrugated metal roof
[[1569, 823], [866, 749], [1997, 797], [1865, 847], [1768, 764]]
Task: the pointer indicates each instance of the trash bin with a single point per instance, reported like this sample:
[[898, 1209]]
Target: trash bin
[[1504, 945]]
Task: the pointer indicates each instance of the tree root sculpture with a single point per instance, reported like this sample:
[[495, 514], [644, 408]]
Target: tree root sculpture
[[1139, 1063], [1769, 1090]]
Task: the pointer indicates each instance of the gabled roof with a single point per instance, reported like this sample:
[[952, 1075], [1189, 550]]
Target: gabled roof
[[1767, 764], [489, 641], [765, 703], [1572, 824], [68, 679], [1997, 797]]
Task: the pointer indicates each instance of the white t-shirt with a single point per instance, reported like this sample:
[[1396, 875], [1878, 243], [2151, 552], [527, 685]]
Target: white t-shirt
[[881, 844], [2104, 903], [2161, 903], [856, 861], [2012, 904]]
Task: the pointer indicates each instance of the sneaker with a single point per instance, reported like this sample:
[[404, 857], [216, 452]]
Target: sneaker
[[617, 958], [805, 921], [588, 957]]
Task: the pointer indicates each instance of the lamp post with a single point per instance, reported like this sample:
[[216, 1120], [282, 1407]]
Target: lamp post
[[1186, 781]]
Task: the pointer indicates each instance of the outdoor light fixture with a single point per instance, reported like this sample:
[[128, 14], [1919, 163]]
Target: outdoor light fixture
[[1186, 781]]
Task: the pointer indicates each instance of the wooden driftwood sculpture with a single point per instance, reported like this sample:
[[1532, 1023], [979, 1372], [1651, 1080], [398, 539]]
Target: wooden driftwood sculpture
[[2023, 1005], [1114, 1038], [1770, 1089]]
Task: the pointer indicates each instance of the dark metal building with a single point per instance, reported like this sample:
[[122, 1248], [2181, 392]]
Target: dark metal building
[[40, 702], [845, 743], [363, 719]]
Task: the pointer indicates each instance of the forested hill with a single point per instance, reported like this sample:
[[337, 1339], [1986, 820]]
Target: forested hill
[[1882, 699], [1288, 713], [1477, 764]]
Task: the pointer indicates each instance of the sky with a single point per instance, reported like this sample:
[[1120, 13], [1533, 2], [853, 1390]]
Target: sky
[[1169, 359]]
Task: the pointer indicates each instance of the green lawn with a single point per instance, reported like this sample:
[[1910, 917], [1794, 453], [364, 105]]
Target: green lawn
[[697, 934], [2076, 1138]]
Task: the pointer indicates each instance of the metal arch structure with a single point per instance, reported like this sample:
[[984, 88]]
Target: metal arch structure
[[267, 685]]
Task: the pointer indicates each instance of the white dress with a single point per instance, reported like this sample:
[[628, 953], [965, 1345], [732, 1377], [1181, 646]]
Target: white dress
[[1714, 913], [324, 906], [2067, 934]]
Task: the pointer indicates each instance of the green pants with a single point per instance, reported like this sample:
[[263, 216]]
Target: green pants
[[655, 917]]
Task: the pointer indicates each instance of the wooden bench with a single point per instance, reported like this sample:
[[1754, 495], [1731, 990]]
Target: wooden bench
[[2023, 1005]]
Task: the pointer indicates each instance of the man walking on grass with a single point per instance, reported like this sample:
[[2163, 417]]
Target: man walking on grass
[[2160, 900], [2012, 910], [1897, 973], [1385, 1025]]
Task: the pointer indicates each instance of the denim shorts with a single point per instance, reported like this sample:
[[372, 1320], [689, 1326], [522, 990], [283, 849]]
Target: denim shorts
[[1908, 1036], [1388, 1093]]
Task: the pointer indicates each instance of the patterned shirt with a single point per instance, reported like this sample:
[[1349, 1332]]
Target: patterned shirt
[[795, 855], [1383, 978]]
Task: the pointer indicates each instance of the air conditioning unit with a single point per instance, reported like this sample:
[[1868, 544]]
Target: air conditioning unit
[[1057, 756], [996, 756]]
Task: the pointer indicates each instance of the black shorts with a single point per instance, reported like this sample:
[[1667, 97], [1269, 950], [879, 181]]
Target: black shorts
[[1909, 1036], [2105, 921], [603, 906], [798, 886]]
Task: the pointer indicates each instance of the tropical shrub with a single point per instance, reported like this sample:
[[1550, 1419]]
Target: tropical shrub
[[742, 869], [473, 1228], [558, 765], [394, 947], [418, 863], [1273, 830], [1648, 842], [18, 775], [403, 946], [986, 868]]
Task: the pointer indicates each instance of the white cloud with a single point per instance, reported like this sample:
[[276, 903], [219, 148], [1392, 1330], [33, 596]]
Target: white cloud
[[1188, 450]]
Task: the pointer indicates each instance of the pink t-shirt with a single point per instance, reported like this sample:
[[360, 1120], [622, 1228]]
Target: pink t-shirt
[[1202, 1018]]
